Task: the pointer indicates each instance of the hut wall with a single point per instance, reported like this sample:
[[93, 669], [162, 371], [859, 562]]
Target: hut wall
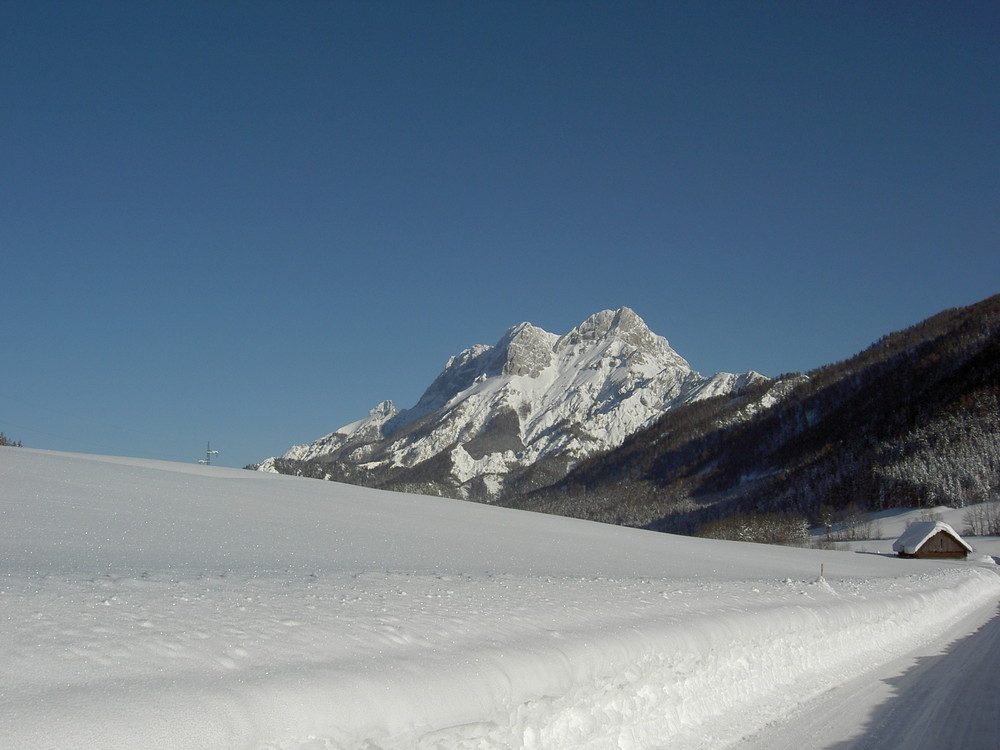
[[941, 545]]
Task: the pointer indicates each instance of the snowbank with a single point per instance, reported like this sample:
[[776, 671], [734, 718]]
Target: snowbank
[[170, 606]]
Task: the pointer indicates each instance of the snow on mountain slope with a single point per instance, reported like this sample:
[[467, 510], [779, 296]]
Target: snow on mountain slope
[[497, 410], [148, 604]]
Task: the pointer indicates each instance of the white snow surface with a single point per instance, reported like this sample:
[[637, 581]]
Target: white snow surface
[[149, 604]]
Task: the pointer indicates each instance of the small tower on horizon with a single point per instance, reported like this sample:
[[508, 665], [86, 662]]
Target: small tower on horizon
[[208, 455]]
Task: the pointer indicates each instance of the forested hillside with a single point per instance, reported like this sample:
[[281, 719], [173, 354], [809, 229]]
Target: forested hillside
[[912, 420]]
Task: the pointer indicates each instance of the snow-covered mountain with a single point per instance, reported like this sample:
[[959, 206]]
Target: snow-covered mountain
[[516, 414]]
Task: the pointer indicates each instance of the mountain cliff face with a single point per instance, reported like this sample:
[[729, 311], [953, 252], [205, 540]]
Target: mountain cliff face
[[517, 415]]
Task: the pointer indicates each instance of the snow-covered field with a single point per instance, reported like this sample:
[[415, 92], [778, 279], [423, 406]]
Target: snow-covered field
[[155, 605]]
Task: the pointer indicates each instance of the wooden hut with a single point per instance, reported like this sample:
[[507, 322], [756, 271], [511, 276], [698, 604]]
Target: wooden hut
[[933, 540]]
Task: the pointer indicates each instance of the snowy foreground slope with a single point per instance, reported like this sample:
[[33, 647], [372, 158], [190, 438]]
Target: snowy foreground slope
[[148, 604]]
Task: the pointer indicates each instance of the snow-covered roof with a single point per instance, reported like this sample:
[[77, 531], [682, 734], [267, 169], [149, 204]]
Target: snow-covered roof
[[919, 532]]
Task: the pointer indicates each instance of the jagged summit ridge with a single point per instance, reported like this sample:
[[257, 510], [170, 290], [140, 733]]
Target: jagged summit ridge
[[533, 398], [622, 324]]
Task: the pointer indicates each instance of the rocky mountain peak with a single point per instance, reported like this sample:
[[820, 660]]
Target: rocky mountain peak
[[525, 350], [624, 327], [383, 411], [622, 323]]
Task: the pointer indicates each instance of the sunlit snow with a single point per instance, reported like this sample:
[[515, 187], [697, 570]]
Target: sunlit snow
[[148, 604]]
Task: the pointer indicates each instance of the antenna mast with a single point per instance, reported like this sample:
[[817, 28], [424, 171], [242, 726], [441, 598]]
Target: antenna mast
[[208, 455]]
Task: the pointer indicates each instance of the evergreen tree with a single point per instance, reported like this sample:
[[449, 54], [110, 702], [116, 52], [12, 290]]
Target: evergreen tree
[[7, 442]]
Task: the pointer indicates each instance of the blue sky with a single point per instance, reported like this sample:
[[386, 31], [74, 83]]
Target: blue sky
[[249, 222]]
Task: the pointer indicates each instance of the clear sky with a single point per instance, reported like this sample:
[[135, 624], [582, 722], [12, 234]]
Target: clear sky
[[249, 222]]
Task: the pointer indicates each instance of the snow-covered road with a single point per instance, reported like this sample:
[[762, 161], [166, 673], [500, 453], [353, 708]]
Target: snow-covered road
[[945, 694], [145, 604]]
